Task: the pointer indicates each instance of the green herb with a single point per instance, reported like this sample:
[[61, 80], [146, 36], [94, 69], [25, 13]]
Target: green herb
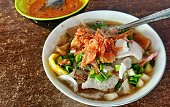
[[130, 37], [117, 68], [92, 73], [107, 64], [133, 80], [79, 57], [97, 25], [118, 85], [70, 55], [99, 78], [142, 69], [136, 68], [68, 68], [101, 67], [78, 65], [104, 75]]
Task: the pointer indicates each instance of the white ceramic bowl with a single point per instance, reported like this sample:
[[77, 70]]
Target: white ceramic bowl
[[108, 16]]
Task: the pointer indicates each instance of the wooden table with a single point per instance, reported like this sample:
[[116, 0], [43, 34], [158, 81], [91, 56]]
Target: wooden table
[[23, 82]]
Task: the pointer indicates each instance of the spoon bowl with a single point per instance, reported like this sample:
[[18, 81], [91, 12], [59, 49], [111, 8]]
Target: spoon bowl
[[55, 4]]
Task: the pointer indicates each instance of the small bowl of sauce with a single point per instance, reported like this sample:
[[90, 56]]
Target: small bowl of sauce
[[36, 10]]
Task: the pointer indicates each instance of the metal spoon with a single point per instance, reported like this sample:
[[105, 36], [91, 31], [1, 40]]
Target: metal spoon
[[151, 18], [55, 4]]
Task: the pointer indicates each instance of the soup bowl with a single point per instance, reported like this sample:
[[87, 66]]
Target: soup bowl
[[105, 15]]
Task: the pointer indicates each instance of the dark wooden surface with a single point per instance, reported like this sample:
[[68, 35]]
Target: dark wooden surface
[[23, 82]]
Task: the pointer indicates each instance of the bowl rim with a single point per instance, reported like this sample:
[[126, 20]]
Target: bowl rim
[[109, 103], [48, 19]]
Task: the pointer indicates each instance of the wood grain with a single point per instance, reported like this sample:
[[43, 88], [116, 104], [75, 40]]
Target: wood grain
[[23, 82]]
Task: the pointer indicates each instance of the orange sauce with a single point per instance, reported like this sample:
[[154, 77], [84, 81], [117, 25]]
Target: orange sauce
[[38, 9]]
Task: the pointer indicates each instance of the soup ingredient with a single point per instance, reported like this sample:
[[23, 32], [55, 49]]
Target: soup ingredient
[[55, 67], [145, 77], [140, 84], [148, 68], [38, 9], [124, 46], [127, 62], [134, 50], [111, 96], [149, 58], [122, 69], [104, 86], [69, 80], [131, 72], [125, 87], [97, 25]]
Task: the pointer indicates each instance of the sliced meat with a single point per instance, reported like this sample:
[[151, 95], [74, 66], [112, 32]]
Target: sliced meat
[[104, 86], [125, 87], [134, 50], [122, 70], [123, 45], [70, 80], [127, 62]]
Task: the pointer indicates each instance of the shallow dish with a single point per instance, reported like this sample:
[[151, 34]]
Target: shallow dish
[[21, 7], [106, 16]]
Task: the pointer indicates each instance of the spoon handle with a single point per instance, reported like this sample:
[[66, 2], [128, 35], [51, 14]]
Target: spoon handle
[[151, 18]]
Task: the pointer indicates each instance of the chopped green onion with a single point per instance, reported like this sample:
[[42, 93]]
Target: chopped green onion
[[78, 65], [138, 75], [142, 69], [107, 64], [79, 57], [68, 68], [117, 68], [136, 67], [70, 55], [99, 78], [133, 80], [92, 76], [72, 60], [97, 25], [92, 72], [118, 85], [104, 75], [130, 37], [101, 67]]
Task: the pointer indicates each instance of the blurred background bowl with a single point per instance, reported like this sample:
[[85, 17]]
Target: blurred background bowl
[[22, 7]]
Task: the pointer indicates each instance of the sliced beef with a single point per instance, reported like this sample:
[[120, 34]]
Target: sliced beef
[[104, 86]]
